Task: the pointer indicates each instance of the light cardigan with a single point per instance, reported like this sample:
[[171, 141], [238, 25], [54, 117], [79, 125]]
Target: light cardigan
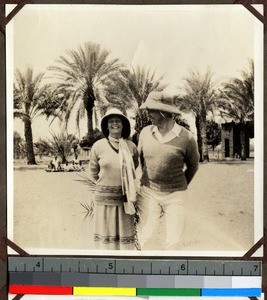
[[105, 168], [163, 163]]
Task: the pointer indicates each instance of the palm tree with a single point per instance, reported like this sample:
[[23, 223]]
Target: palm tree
[[237, 102], [62, 145], [199, 99], [85, 74], [135, 86], [138, 83], [29, 98]]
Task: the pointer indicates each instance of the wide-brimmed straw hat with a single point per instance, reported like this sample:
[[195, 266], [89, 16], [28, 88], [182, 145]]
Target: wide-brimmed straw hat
[[161, 101], [126, 130]]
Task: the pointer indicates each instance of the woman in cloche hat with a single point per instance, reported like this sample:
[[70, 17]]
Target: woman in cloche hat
[[164, 148], [112, 165]]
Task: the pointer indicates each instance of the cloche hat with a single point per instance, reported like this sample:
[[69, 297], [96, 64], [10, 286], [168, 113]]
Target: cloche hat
[[126, 130], [161, 101]]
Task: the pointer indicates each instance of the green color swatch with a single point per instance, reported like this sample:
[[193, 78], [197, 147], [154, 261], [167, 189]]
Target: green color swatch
[[168, 292]]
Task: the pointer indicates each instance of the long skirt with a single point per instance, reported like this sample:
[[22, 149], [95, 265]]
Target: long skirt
[[114, 230]]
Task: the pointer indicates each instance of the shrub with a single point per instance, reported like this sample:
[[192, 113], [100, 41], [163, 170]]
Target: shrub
[[88, 141]]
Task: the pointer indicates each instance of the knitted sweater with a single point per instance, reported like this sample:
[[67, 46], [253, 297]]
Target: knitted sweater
[[163, 163], [104, 167]]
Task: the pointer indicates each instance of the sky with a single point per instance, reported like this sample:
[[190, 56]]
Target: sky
[[172, 40]]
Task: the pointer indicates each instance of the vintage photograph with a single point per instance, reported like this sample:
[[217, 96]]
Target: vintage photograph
[[135, 130]]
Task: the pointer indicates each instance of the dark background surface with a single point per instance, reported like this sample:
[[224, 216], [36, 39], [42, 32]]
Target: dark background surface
[[3, 204]]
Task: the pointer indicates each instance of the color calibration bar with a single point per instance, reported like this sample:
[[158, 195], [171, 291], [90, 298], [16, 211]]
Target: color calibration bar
[[135, 281], [132, 285], [117, 291]]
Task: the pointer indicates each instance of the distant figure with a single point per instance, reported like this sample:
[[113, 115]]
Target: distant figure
[[67, 167], [236, 156], [77, 164], [76, 160], [55, 164]]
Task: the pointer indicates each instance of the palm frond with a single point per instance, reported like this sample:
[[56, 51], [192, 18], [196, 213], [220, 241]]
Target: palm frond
[[199, 96], [237, 97], [88, 210], [85, 72]]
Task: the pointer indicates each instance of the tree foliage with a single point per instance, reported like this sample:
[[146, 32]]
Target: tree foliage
[[138, 83], [237, 97], [199, 98], [88, 141], [213, 133], [62, 145], [29, 97], [18, 146], [237, 102], [85, 75]]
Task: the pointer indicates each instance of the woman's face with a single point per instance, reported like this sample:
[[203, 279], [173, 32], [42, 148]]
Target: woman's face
[[115, 126]]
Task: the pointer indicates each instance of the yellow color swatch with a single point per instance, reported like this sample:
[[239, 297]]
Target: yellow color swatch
[[103, 291]]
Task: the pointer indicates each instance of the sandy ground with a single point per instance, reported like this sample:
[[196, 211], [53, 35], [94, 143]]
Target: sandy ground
[[48, 214]]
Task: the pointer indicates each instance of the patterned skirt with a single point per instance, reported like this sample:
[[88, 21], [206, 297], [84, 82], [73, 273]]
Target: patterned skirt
[[114, 229]]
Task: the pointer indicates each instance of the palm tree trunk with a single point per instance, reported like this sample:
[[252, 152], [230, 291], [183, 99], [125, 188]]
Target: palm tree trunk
[[199, 137], [89, 103], [64, 159], [29, 142], [243, 141], [203, 127], [90, 130]]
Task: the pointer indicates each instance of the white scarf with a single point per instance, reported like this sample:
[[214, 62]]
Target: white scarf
[[128, 177]]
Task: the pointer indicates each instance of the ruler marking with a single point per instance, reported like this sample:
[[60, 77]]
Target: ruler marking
[[232, 268]]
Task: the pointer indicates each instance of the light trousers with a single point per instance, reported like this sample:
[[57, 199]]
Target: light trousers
[[162, 218]]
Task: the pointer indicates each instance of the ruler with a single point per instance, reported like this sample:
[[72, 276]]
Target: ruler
[[135, 266], [144, 277]]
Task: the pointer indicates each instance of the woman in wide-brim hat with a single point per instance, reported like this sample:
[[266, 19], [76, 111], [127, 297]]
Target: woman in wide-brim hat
[[112, 165]]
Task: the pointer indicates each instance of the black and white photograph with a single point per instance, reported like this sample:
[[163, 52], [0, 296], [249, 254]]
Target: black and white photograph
[[135, 130]]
